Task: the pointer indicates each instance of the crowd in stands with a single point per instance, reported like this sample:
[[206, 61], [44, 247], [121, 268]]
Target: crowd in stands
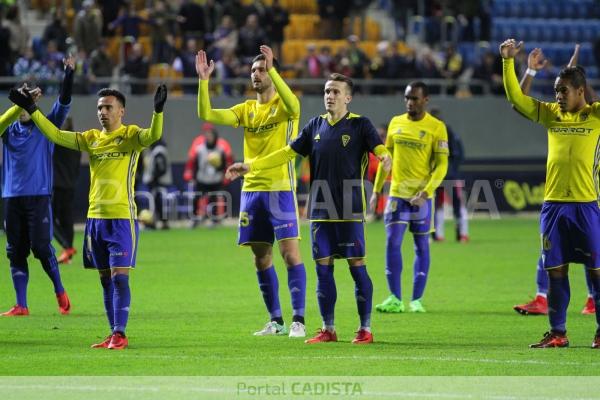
[[137, 39]]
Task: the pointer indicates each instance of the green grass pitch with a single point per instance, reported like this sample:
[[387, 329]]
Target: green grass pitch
[[195, 304]]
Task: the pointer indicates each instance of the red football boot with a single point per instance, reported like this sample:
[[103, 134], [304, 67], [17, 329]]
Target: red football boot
[[64, 305], [66, 255], [323, 335], [590, 307], [537, 306], [551, 339], [16, 311], [118, 341], [103, 344], [363, 337]]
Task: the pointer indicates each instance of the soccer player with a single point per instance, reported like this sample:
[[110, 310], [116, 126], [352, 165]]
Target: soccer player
[[418, 143], [269, 122], [111, 231], [539, 305], [27, 190], [570, 218], [337, 144]]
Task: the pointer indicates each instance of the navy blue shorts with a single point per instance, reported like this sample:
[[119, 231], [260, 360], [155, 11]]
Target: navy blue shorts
[[28, 225], [110, 243], [265, 216], [570, 232], [399, 211], [338, 239]]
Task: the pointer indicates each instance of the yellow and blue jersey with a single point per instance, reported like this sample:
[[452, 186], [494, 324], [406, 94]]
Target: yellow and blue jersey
[[267, 127], [338, 155], [572, 166], [413, 145]]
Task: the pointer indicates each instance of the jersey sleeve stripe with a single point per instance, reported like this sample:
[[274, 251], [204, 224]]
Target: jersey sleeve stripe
[[130, 177], [596, 169], [288, 139]]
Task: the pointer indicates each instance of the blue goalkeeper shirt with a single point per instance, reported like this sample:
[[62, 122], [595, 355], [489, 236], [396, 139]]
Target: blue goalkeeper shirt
[[27, 156]]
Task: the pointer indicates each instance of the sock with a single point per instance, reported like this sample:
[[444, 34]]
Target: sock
[[421, 265], [326, 294], [594, 281], [50, 266], [108, 293], [297, 286], [269, 286], [364, 294], [20, 277], [541, 278], [559, 294], [393, 257], [121, 301]]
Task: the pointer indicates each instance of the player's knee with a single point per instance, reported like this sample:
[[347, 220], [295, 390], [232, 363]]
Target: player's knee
[[263, 262], [291, 258], [17, 255]]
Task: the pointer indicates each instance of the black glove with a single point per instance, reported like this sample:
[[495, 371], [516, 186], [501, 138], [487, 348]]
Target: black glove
[[23, 99], [67, 86], [160, 97]]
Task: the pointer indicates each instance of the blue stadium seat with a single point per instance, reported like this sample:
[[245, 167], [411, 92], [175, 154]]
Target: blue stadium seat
[[591, 72], [500, 8]]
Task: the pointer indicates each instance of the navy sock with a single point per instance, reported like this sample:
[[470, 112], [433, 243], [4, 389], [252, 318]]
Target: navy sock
[[297, 287], [594, 281], [364, 294], [326, 293], [108, 293], [121, 301], [269, 287], [421, 265], [393, 257], [50, 265], [559, 294], [541, 278], [20, 278]]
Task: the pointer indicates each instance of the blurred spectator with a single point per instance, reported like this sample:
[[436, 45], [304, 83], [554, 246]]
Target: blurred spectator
[[128, 22], [27, 68], [208, 159], [158, 177], [378, 67], [327, 61], [56, 30], [250, 38], [81, 84], [310, 67], [359, 64], [401, 66], [452, 66], [185, 63], [225, 38], [191, 19], [227, 67], [50, 75], [101, 65], [213, 12], [109, 11], [358, 12], [19, 33], [236, 10], [6, 58], [490, 71], [278, 19], [53, 53], [137, 66], [332, 14], [88, 27], [163, 29]]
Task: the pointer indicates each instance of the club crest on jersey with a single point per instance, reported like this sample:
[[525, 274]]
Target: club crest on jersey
[[421, 134], [94, 144], [318, 137], [118, 140], [345, 140], [583, 116], [273, 110], [251, 115], [398, 131]]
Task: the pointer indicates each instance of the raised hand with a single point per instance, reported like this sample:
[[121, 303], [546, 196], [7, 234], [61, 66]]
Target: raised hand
[[509, 48], [204, 68], [160, 97], [268, 53], [574, 57], [69, 62], [536, 59], [23, 98], [236, 170]]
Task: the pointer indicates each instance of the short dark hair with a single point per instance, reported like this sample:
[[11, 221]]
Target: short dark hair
[[342, 78], [422, 85], [261, 57], [575, 75], [112, 92]]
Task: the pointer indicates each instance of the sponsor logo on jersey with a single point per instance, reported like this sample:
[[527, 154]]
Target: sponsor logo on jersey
[[113, 155], [570, 130], [263, 128]]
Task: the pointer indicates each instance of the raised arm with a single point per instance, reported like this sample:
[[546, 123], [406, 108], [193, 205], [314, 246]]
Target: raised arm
[[290, 101], [275, 159], [524, 104], [205, 111], [152, 134], [535, 62], [9, 116], [24, 99]]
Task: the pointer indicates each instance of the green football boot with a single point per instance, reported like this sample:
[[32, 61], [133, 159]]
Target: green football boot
[[391, 305], [416, 306]]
